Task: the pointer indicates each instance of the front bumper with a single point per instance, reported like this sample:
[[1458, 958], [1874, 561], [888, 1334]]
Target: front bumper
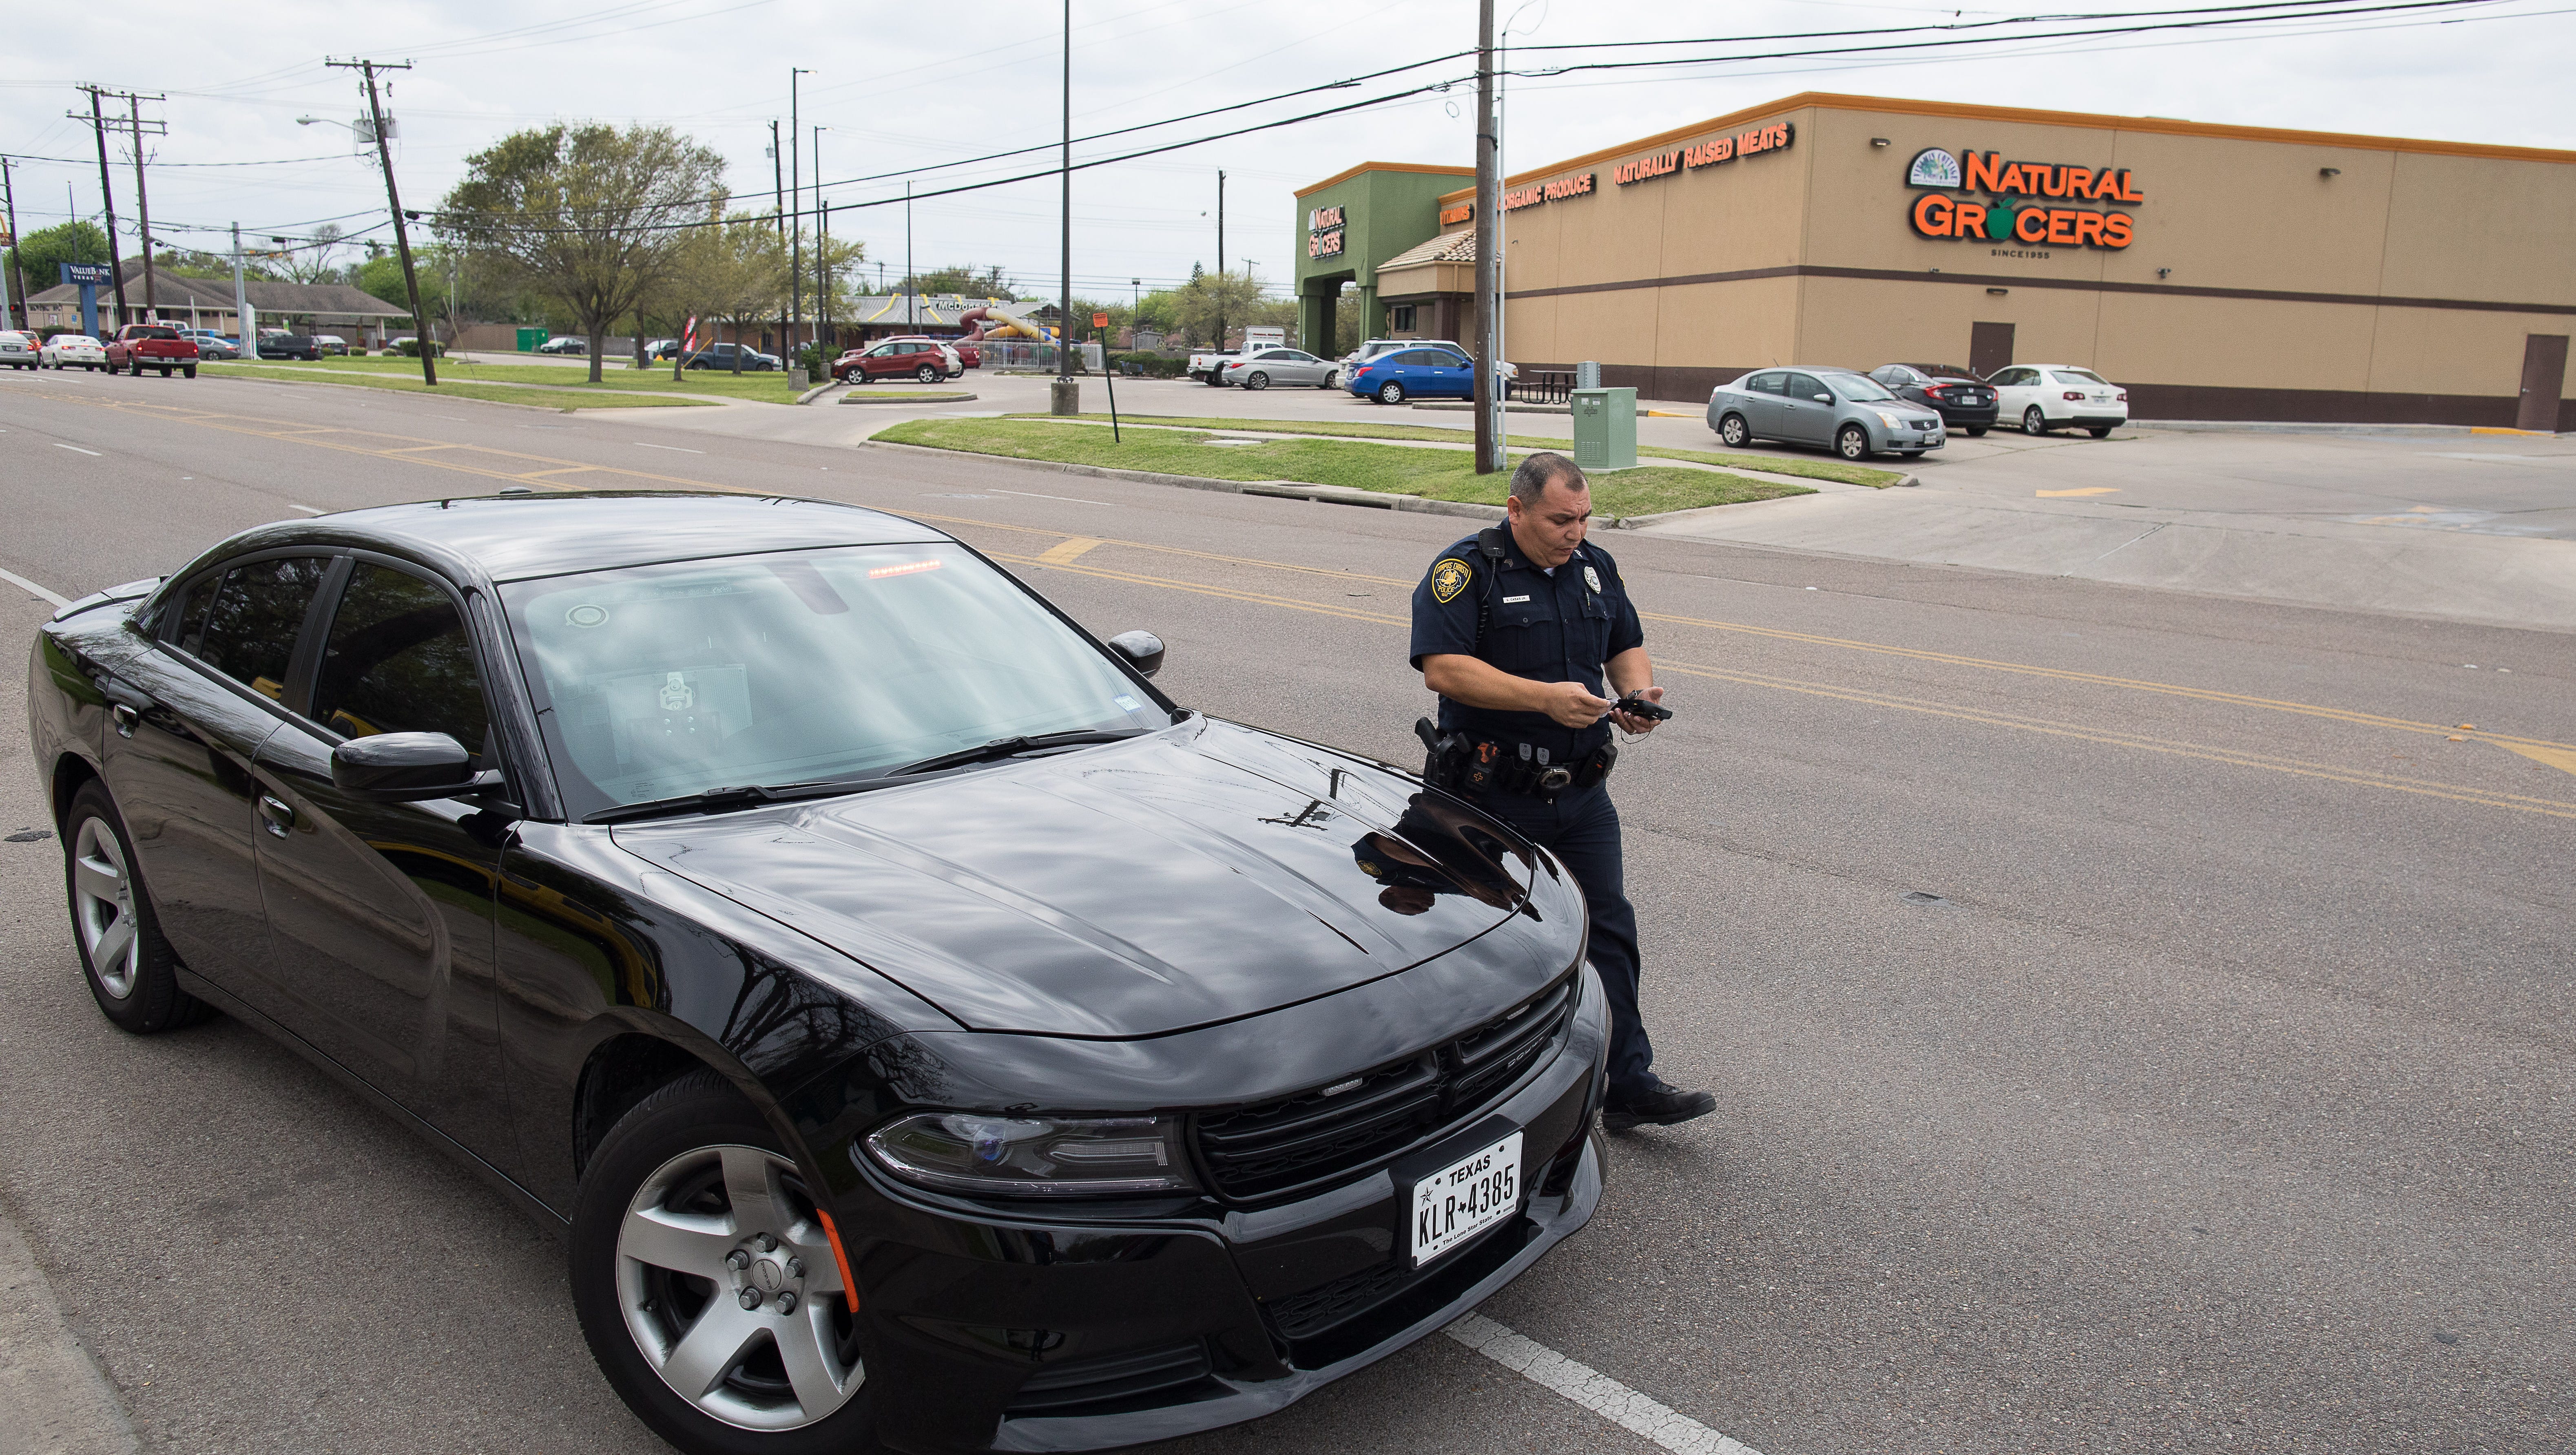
[[1890, 441], [1059, 1334]]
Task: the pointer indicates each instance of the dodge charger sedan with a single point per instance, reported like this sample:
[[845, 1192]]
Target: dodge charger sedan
[[926, 1034]]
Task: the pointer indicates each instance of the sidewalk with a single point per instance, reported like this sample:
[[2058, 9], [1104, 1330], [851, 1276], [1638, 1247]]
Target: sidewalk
[[55, 1400]]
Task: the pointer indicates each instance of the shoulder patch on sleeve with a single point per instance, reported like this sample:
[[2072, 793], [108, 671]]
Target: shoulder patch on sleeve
[[1449, 576]]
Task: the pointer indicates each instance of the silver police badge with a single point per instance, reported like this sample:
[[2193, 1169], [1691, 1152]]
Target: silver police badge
[[1592, 579]]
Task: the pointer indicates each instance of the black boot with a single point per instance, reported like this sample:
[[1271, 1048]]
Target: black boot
[[1652, 1103]]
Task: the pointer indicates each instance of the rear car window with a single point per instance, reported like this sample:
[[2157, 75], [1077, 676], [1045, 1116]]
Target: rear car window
[[1767, 383], [168, 333], [2081, 376], [251, 622]]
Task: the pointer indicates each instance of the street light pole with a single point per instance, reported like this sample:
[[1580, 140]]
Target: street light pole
[[796, 229], [1489, 232], [1066, 400], [421, 334]]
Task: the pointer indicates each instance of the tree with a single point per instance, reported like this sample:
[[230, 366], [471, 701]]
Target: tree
[[736, 272], [965, 281], [40, 255], [590, 216], [311, 260], [1234, 298], [381, 277]]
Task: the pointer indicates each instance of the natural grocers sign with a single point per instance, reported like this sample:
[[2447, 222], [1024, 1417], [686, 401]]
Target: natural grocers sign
[[2034, 203]]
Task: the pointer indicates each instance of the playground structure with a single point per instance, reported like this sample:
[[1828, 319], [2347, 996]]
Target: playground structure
[[992, 321]]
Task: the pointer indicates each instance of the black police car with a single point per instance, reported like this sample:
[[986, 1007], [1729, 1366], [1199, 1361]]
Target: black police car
[[927, 1034], [1965, 402]]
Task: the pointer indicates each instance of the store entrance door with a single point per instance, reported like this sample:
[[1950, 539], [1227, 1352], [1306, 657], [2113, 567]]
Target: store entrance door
[[2544, 377], [1989, 347]]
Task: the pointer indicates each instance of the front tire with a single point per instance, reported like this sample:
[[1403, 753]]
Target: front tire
[[1390, 392], [1734, 431], [1852, 443], [690, 1180], [2033, 422], [131, 969], [1256, 380]]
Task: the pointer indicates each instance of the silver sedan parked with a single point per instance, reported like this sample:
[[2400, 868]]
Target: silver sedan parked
[[1279, 366], [1849, 413]]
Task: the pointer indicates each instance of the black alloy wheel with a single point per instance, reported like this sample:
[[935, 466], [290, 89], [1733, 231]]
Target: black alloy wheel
[[1390, 392], [707, 1284], [1852, 443], [1734, 431], [1256, 380], [2033, 422], [131, 969], [927, 373]]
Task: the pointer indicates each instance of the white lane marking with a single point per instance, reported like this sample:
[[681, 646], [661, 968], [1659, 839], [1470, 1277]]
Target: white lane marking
[[14, 579], [1592, 1389], [683, 449], [58, 444], [1033, 495]]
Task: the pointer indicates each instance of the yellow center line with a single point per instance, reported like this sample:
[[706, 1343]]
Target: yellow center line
[[1069, 552], [2203, 752]]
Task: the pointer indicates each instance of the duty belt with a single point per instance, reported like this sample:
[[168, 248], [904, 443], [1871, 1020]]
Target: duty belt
[[1473, 767]]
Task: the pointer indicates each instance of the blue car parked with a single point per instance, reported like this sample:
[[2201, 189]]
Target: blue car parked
[[1425, 373]]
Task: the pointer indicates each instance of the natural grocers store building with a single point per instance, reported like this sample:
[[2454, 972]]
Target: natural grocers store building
[[2217, 272]]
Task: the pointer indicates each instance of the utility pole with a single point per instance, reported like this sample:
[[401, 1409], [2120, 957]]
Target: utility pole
[[9, 193], [778, 193], [142, 201], [1064, 401], [822, 251], [1489, 197], [796, 231], [911, 279], [421, 332], [243, 322], [1220, 262], [106, 196]]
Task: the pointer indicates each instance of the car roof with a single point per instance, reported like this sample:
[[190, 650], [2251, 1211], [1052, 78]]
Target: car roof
[[518, 537]]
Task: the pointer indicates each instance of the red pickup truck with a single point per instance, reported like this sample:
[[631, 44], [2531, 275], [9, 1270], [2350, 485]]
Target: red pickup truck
[[140, 346]]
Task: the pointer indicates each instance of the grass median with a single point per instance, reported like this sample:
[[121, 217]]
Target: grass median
[[1392, 469], [618, 378], [1833, 470]]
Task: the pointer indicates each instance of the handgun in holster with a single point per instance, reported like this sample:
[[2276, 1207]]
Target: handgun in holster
[[1444, 763]]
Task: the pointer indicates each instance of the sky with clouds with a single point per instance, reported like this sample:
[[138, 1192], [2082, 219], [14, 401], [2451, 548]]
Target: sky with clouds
[[908, 89]]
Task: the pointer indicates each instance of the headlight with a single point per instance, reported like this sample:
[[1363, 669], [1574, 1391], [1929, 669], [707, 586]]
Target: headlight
[[1885, 418], [998, 1156]]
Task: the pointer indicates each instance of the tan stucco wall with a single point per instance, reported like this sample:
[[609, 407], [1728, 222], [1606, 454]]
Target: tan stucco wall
[[2226, 208]]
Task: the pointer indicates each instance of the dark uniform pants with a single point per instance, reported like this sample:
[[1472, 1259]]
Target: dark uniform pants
[[1582, 828]]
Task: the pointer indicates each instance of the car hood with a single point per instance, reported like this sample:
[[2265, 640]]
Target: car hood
[[1190, 877]]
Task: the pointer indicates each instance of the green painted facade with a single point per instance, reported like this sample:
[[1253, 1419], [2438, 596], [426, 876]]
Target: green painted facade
[[1386, 209]]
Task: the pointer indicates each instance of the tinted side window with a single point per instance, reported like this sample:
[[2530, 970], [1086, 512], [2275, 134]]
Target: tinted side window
[[1803, 387], [251, 624], [397, 661], [1766, 383]]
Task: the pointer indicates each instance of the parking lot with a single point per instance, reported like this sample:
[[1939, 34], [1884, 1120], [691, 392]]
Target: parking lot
[[2138, 1017]]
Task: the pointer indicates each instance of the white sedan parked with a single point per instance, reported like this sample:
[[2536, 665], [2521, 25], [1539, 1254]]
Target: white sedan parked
[[69, 350], [2052, 396]]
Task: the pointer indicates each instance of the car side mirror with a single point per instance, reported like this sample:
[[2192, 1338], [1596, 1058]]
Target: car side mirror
[[1822, 398], [399, 767], [1143, 651]]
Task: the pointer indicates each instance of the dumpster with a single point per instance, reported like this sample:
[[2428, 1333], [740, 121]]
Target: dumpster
[[1605, 429], [530, 338]]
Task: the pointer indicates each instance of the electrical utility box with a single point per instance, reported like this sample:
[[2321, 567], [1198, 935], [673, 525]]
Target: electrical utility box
[[529, 338], [1605, 429]]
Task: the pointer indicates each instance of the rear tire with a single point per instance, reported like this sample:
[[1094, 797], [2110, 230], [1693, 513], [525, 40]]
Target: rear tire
[[2099, 431], [1256, 380], [131, 969], [2033, 422], [189, 369], [656, 1219], [1390, 392], [1734, 431], [927, 374], [1976, 432]]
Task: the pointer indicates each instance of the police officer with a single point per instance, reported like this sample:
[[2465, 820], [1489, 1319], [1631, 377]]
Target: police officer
[[1516, 627]]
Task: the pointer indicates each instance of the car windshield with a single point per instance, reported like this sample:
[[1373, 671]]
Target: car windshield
[[660, 681], [2081, 376], [1858, 388]]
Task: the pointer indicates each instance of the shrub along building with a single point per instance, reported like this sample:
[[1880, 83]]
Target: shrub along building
[[2218, 272]]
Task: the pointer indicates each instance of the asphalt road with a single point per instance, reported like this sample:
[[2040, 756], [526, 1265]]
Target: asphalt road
[[2138, 1020]]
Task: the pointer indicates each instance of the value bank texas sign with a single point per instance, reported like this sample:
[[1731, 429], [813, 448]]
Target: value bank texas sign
[[2022, 193]]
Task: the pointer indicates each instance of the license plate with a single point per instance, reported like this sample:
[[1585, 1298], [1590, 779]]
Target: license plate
[[1451, 1207]]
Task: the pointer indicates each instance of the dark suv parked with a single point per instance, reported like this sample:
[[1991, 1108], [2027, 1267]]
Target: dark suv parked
[[278, 343], [1965, 402]]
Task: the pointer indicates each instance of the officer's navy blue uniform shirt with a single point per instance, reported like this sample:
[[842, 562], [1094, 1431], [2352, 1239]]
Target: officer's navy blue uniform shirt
[[1548, 628]]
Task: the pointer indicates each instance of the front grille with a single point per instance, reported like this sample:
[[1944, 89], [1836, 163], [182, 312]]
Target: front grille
[[1303, 1315], [1278, 1146]]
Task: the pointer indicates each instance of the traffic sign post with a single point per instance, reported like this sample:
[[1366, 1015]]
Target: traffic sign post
[[1108, 377]]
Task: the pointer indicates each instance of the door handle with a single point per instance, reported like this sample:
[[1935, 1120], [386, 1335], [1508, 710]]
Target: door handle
[[124, 717], [276, 815]]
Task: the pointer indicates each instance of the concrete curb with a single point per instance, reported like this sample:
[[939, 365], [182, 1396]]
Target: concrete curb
[[825, 387], [854, 397], [1284, 489], [58, 1400]]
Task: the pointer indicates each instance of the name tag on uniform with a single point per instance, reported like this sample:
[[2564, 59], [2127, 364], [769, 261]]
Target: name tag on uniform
[[1514, 600]]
